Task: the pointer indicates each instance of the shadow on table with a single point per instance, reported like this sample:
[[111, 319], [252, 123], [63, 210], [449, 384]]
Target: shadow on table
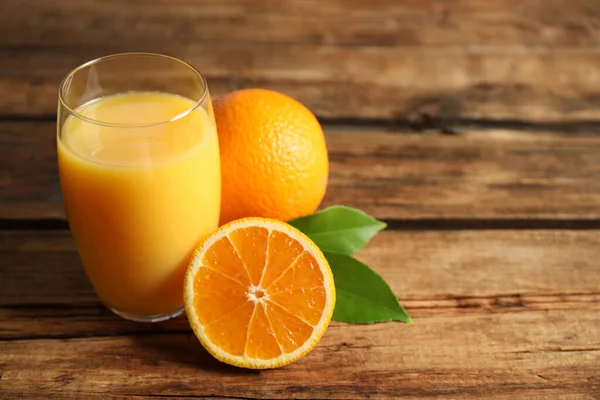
[[174, 342]]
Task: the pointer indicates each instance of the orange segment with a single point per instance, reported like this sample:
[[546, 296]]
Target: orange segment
[[259, 293], [261, 342], [210, 286], [251, 245], [283, 250], [302, 273], [291, 331], [306, 304], [295, 290], [223, 257], [229, 332]]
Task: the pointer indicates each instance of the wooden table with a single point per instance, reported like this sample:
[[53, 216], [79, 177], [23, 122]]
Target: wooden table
[[470, 126]]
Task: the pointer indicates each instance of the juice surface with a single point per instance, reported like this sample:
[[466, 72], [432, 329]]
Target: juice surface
[[139, 200]]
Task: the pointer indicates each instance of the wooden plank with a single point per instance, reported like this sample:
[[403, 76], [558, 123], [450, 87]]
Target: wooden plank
[[340, 22], [534, 394], [383, 60], [435, 274], [29, 185], [500, 175], [518, 355]]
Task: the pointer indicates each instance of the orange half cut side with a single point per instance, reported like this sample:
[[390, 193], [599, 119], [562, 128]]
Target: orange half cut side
[[259, 293]]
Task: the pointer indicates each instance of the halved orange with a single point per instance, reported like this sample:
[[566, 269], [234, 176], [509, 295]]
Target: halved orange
[[259, 293]]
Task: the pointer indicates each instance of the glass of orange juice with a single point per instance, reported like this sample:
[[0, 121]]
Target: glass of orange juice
[[138, 160]]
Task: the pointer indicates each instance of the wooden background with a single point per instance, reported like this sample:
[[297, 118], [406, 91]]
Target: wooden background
[[470, 126]]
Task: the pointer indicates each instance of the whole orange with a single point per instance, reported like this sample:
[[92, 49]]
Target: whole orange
[[273, 156]]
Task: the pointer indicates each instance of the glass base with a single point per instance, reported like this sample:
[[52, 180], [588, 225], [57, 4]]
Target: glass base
[[147, 318]]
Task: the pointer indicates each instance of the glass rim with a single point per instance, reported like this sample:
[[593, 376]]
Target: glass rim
[[73, 112]]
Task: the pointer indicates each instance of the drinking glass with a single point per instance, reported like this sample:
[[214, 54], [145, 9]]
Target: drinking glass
[[139, 167]]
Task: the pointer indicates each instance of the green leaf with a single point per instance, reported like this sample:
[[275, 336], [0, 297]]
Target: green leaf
[[362, 296], [339, 229]]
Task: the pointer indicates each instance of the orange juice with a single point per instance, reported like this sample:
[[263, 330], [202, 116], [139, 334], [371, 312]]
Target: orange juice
[[140, 193]]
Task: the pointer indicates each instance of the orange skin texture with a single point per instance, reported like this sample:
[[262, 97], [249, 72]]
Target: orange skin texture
[[274, 159]]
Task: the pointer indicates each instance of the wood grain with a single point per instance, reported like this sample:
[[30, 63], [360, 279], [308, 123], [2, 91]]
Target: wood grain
[[445, 274], [498, 315], [499, 175], [535, 353], [412, 61]]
